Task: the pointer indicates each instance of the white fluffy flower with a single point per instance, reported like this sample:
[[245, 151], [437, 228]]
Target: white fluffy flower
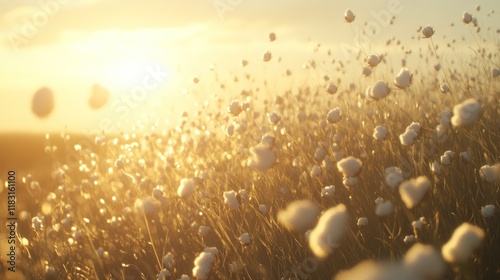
[[410, 134], [444, 88], [409, 238], [393, 177], [168, 260], [488, 210], [267, 140], [267, 56], [428, 31], [466, 113], [331, 88], [186, 188], [435, 167], [466, 18], [328, 191], [234, 108], [465, 239], [163, 275], [329, 231], [414, 190], [367, 71], [203, 264], [383, 208], [245, 238], [273, 118], [370, 270], [380, 133], [490, 173], [425, 261], [334, 115], [408, 137], [299, 215], [42, 103], [262, 158], [378, 91], [373, 60], [349, 16], [496, 72], [350, 167], [403, 79], [263, 209], [363, 221], [231, 200]]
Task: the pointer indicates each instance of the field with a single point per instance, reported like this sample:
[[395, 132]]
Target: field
[[147, 203]]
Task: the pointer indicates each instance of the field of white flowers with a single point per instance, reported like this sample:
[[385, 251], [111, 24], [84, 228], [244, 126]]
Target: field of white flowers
[[395, 176]]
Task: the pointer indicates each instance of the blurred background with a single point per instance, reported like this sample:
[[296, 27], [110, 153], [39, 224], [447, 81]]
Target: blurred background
[[116, 60]]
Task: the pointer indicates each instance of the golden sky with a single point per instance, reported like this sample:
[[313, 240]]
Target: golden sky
[[70, 45]]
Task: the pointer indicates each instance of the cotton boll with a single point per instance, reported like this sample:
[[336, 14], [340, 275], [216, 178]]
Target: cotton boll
[[465, 239], [367, 71], [435, 167], [408, 137], [262, 158], [186, 188], [350, 167], [331, 88], [204, 230], [267, 56], [393, 177], [489, 173], [496, 72], [414, 190], [349, 16], [168, 261], [350, 182], [99, 97], [320, 154], [203, 265], [417, 225], [466, 18], [263, 209], [403, 79], [42, 103], [373, 60], [267, 140], [245, 238], [444, 88], [425, 261], [415, 126], [380, 133], [384, 208], [445, 118], [370, 270], [299, 215], [231, 200], [466, 113], [329, 231], [362, 222], [234, 108], [378, 91], [315, 171], [488, 211], [334, 115], [328, 191], [273, 118], [163, 275], [465, 156], [409, 239], [145, 206], [428, 31]]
